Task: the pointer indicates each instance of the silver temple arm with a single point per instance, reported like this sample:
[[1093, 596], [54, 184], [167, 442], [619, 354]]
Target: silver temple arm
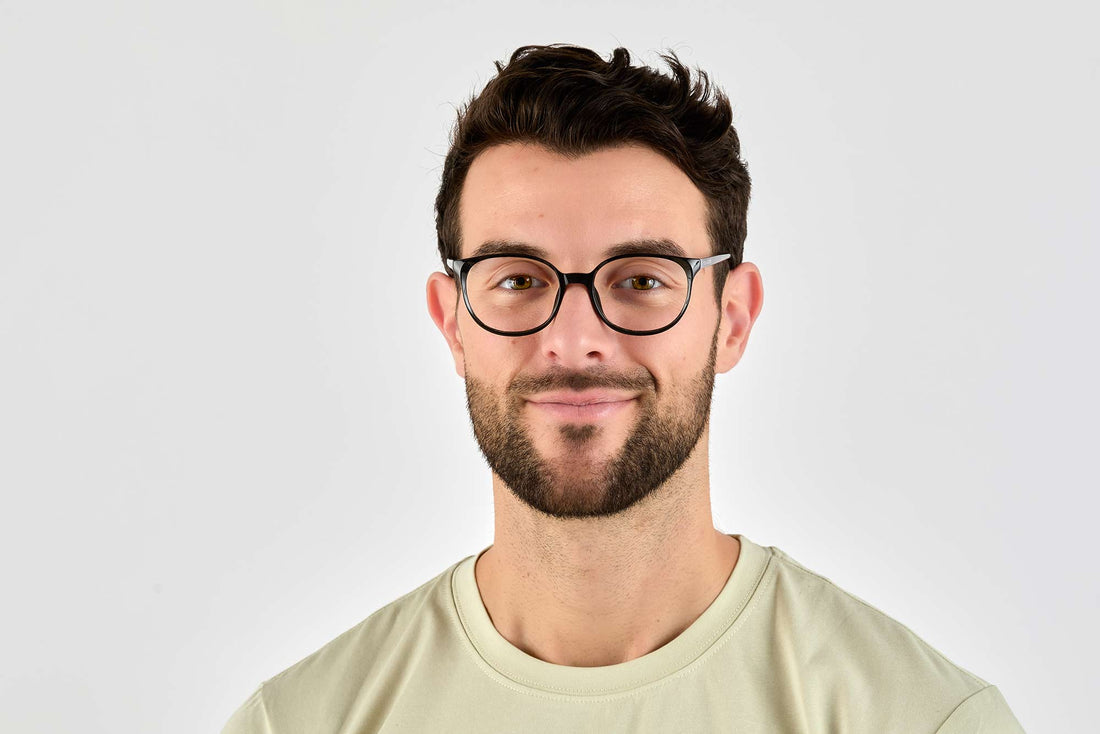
[[706, 262]]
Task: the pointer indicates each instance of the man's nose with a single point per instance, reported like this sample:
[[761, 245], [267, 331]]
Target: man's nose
[[577, 338]]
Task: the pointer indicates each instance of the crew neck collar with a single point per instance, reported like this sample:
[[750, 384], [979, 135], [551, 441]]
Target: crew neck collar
[[690, 647]]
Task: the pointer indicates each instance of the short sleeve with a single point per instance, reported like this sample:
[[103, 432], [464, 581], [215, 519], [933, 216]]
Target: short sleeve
[[251, 717], [985, 712]]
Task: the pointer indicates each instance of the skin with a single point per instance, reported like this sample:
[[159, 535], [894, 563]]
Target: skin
[[603, 589]]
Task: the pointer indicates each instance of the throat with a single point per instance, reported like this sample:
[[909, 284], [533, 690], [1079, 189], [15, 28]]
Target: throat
[[585, 613]]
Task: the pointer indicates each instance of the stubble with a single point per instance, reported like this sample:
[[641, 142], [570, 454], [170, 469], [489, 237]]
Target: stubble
[[666, 431]]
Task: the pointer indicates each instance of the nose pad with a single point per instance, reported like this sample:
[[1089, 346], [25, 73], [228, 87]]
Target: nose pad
[[577, 338], [581, 301]]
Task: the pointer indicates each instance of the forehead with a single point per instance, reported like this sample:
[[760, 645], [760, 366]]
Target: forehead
[[576, 209]]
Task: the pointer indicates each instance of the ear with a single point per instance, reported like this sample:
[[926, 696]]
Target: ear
[[443, 307], [742, 299]]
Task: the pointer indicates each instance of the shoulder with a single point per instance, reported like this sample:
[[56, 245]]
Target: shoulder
[[320, 685], [829, 616], [852, 661]]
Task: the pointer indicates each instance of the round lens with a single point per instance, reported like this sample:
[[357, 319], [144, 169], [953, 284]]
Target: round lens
[[511, 293], [642, 293]]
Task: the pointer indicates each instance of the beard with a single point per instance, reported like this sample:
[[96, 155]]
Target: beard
[[660, 442]]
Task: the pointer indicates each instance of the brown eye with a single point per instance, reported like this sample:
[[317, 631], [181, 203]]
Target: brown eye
[[520, 282], [639, 283]]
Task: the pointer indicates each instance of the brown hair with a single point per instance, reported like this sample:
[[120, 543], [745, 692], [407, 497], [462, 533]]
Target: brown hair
[[571, 101]]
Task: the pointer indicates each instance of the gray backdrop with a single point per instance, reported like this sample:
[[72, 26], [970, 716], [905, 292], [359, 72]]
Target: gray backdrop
[[229, 430]]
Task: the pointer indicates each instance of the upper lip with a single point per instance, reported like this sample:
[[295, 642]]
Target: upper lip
[[586, 397]]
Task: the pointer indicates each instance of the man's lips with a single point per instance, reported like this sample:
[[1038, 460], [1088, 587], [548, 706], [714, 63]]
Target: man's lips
[[581, 406], [586, 397]]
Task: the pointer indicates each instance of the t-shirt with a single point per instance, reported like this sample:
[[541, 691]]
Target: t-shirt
[[780, 649]]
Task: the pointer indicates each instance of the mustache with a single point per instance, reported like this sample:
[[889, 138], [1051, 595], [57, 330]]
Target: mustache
[[571, 380]]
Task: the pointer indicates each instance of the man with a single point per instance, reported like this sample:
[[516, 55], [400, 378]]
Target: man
[[591, 221]]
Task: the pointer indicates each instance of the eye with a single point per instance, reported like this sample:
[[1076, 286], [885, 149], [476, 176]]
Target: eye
[[639, 283], [521, 282]]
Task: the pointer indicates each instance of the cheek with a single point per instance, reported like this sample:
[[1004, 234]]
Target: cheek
[[676, 357], [491, 358]]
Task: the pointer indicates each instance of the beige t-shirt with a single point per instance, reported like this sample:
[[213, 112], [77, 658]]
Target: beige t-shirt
[[780, 649]]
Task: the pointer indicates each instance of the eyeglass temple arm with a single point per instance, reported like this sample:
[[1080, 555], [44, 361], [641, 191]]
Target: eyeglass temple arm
[[706, 262]]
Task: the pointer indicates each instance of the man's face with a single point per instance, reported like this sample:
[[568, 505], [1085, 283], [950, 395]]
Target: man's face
[[577, 419]]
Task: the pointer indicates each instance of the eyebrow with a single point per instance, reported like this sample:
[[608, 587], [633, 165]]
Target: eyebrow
[[630, 247]]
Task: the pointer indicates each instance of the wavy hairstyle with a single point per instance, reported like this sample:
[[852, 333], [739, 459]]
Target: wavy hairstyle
[[571, 101]]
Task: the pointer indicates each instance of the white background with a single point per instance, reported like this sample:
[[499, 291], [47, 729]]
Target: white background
[[229, 430]]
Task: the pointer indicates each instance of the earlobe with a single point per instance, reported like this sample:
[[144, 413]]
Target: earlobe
[[742, 299], [443, 308]]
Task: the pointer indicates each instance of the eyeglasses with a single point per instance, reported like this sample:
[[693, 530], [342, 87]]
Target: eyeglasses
[[640, 295]]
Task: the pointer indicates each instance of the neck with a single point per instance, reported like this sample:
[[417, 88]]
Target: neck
[[599, 591]]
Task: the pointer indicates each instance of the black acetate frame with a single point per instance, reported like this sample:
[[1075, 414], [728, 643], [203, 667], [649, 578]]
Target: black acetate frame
[[692, 265]]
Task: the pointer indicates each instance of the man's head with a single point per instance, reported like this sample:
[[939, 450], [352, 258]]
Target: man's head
[[574, 159], [572, 101]]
